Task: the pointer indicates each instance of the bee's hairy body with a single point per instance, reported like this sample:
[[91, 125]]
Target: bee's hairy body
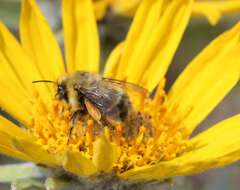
[[86, 92], [106, 100]]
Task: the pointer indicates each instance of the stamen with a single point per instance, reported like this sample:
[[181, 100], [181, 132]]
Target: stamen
[[139, 138], [160, 94], [56, 108], [110, 1], [42, 106], [118, 135], [156, 134], [137, 142], [158, 142], [90, 136], [107, 132]]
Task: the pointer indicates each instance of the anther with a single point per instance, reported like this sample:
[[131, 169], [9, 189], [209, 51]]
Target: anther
[[107, 132], [118, 135], [90, 136]]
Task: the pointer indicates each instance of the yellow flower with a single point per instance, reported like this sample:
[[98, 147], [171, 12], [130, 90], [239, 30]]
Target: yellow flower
[[121, 7], [143, 58], [212, 10]]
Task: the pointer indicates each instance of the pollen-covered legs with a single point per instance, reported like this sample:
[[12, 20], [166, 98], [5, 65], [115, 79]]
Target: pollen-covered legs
[[73, 120]]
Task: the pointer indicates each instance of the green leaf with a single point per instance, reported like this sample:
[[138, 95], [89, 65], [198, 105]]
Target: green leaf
[[56, 183], [24, 184], [12, 172]]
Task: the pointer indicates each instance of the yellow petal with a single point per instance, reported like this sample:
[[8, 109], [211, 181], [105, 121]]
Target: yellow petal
[[213, 10], [215, 147], [113, 61], [35, 152], [207, 79], [11, 129], [16, 75], [152, 41], [76, 163], [15, 103], [226, 130], [8, 130], [125, 7], [100, 7], [80, 35], [145, 19], [105, 154], [9, 150], [39, 42], [15, 60], [14, 153]]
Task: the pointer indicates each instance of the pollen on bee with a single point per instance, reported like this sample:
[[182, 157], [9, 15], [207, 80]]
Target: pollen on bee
[[154, 135]]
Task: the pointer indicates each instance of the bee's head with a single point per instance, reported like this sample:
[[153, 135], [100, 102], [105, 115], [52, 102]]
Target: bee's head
[[62, 93], [61, 85]]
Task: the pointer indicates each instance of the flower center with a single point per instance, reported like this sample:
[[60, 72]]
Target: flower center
[[158, 138]]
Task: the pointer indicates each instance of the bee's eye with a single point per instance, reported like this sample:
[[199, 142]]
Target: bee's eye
[[60, 88], [61, 92]]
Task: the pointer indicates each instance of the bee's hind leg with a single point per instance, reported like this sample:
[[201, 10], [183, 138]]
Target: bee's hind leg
[[73, 120], [105, 123]]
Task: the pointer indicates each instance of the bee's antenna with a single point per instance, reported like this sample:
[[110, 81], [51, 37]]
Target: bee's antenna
[[36, 81]]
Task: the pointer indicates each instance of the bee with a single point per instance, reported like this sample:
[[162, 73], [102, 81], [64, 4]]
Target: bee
[[105, 100]]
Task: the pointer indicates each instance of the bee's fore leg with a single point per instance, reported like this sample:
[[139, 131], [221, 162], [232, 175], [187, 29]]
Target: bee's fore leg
[[73, 120]]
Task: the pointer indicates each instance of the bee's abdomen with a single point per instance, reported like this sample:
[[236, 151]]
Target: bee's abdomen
[[119, 112], [123, 107]]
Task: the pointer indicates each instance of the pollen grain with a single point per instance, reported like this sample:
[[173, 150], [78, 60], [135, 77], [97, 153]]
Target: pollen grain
[[160, 139]]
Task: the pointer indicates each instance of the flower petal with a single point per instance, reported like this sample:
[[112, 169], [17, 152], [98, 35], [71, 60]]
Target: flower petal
[[35, 152], [215, 147], [39, 41], [16, 75], [7, 148], [113, 61], [15, 103], [125, 7], [8, 130], [147, 15], [213, 10], [207, 79], [100, 7], [11, 129], [105, 154], [80, 35], [152, 40], [222, 133], [76, 163]]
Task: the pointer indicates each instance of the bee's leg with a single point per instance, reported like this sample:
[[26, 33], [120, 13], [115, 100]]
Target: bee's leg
[[72, 121], [104, 122]]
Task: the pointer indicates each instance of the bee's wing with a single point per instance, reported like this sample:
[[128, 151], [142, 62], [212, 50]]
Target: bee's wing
[[136, 94], [128, 86], [103, 101]]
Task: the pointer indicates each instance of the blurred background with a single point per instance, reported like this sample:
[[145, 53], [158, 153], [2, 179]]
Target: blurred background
[[113, 29]]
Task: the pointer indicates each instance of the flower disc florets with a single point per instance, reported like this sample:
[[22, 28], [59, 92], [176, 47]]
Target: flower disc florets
[[157, 139]]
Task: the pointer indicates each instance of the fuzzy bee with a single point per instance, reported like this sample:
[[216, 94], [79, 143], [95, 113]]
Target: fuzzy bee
[[105, 100]]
